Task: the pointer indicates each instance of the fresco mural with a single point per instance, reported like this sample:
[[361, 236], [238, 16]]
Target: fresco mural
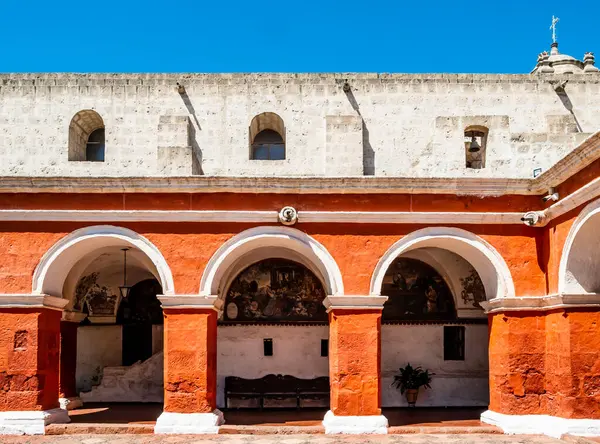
[[95, 299], [416, 292], [275, 290], [473, 291]]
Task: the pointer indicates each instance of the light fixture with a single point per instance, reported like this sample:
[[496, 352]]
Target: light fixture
[[124, 289]]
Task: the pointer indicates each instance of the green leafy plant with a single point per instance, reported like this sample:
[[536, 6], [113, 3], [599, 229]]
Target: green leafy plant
[[411, 377]]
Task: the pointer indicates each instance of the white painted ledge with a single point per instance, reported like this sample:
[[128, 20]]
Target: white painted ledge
[[189, 301], [72, 403], [354, 302], [32, 301], [189, 423], [31, 422], [355, 425], [552, 426], [73, 316], [542, 303]]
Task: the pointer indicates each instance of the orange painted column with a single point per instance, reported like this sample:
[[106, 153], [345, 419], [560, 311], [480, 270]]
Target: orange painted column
[[517, 347], [355, 365], [190, 348], [29, 358], [190, 366], [69, 398], [29, 363]]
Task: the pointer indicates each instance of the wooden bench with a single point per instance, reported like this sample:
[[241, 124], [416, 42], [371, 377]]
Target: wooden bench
[[276, 387]]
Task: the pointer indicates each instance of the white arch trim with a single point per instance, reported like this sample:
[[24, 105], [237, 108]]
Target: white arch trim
[[488, 263], [305, 249], [57, 262], [589, 211]]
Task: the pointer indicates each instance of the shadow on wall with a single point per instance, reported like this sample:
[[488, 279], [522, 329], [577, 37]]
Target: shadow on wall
[[368, 151], [566, 101], [193, 142]]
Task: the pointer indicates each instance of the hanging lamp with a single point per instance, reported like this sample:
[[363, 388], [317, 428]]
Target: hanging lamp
[[124, 289]]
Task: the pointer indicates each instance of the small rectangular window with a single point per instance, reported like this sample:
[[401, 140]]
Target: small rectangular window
[[268, 347], [324, 347], [454, 343]]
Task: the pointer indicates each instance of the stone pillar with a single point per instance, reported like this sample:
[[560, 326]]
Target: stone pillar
[[355, 364], [544, 363], [29, 363], [69, 398], [190, 369]]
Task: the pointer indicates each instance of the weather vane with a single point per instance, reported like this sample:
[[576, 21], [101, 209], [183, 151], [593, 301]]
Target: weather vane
[[553, 28]]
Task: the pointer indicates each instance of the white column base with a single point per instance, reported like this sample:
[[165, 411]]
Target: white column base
[[72, 403], [355, 425], [31, 422], [189, 423], [552, 426]]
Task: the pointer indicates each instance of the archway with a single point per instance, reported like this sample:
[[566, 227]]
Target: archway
[[271, 283], [88, 267], [580, 260], [435, 280]]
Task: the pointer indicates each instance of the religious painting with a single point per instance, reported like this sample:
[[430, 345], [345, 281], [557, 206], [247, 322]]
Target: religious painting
[[93, 298], [275, 290], [473, 291], [416, 291]]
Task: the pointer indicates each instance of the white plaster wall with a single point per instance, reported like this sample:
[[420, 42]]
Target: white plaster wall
[[413, 124], [296, 352], [582, 265], [456, 383], [98, 346]]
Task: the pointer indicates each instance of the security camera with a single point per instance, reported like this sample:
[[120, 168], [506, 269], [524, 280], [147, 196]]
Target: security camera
[[552, 195]]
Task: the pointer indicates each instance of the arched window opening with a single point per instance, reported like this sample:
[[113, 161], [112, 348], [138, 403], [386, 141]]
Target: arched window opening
[[267, 137], [268, 145], [275, 290], [94, 150], [416, 292], [475, 146], [87, 137]]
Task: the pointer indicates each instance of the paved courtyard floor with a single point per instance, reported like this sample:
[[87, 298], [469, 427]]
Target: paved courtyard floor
[[282, 439]]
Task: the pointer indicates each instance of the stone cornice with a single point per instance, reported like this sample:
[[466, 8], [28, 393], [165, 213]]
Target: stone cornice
[[542, 303], [354, 302], [32, 301], [189, 301]]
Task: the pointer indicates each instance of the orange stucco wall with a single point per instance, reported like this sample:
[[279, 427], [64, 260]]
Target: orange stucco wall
[[187, 247]]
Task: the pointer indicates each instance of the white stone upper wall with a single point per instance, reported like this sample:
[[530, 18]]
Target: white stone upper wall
[[388, 125]]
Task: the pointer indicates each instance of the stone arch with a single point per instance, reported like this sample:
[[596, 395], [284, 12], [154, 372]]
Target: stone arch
[[51, 273], [84, 124], [256, 244], [488, 263], [580, 259], [266, 121]]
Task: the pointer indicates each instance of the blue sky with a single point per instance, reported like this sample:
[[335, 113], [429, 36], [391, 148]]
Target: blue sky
[[286, 36]]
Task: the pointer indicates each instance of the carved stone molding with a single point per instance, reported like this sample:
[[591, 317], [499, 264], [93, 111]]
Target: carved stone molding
[[542, 303]]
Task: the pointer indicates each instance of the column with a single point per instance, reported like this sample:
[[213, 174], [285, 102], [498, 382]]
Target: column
[[355, 365], [68, 396], [544, 364], [29, 363], [190, 367]]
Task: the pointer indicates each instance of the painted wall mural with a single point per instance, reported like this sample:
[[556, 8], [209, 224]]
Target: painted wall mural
[[416, 292], [275, 290], [97, 300], [473, 291]]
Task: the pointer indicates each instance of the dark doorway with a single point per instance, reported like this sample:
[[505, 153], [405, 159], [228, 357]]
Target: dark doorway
[[137, 314]]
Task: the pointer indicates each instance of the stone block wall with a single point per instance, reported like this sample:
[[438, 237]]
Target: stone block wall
[[412, 125]]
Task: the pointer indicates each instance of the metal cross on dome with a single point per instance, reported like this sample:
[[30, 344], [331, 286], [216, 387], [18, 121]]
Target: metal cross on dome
[[553, 28]]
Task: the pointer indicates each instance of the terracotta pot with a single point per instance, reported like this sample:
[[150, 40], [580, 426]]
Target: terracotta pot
[[411, 396]]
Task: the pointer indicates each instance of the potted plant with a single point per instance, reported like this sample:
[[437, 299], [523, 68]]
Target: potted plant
[[410, 379]]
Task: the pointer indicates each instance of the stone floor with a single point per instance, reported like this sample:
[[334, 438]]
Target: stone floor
[[281, 439], [140, 419]]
